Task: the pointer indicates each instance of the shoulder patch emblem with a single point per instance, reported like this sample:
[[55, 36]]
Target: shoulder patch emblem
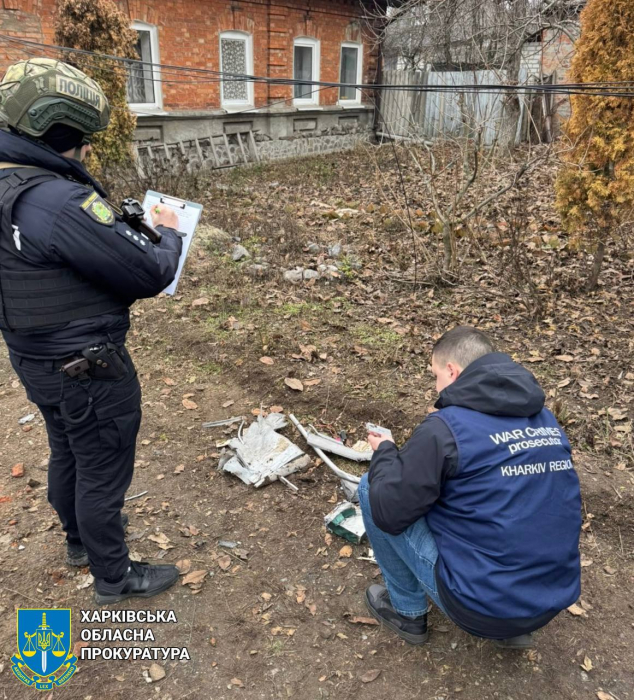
[[98, 209]]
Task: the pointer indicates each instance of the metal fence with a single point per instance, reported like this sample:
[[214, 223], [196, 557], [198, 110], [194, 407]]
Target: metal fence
[[410, 113]]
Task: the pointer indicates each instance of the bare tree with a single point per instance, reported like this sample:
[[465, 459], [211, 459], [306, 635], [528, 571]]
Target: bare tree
[[467, 35]]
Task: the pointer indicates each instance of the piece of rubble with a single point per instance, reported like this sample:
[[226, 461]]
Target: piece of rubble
[[26, 419], [224, 421], [334, 251], [311, 274], [346, 521], [313, 248], [295, 276], [239, 252]]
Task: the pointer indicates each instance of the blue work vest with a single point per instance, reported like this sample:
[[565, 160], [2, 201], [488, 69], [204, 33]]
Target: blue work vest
[[507, 522]]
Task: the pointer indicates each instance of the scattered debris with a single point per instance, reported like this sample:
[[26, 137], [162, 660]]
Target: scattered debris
[[227, 544], [26, 419], [286, 482], [17, 470], [346, 521], [138, 495], [349, 482], [226, 421], [329, 444], [334, 251], [261, 455]]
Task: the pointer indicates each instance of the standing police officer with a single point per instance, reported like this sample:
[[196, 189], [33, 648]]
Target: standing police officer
[[70, 268]]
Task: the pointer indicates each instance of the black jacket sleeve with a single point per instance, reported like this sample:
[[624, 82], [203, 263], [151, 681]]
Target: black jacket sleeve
[[405, 483], [111, 255]]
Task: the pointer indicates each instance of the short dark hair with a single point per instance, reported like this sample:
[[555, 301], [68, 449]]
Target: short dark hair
[[462, 345]]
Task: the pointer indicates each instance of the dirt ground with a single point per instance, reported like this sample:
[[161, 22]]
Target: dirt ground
[[274, 618]]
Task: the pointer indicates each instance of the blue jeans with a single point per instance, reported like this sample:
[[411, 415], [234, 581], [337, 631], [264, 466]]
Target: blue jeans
[[407, 560]]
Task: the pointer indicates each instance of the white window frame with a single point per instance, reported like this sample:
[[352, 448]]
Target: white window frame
[[231, 105], [357, 100], [314, 44], [157, 104]]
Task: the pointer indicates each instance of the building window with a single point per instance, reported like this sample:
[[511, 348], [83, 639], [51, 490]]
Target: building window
[[236, 58], [351, 58], [144, 86], [306, 69]]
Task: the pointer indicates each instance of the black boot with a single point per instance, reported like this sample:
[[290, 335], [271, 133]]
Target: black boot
[[412, 630], [140, 581], [76, 553], [524, 641]]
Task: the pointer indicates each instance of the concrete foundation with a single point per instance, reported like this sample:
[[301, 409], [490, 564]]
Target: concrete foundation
[[278, 134]]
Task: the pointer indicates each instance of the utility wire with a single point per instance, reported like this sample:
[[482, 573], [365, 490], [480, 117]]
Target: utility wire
[[598, 89]]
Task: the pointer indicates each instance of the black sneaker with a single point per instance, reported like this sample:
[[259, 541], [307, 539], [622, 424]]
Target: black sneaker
[[524, 641], [412, 630], [76, 553], [141, 581]]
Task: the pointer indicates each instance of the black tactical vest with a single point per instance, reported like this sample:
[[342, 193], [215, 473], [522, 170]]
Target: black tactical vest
[[32, 298]]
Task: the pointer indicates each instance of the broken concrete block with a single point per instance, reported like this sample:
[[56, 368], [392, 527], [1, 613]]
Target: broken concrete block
[[295, 276], [239, 252]]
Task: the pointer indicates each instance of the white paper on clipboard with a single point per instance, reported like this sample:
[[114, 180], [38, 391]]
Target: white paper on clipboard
[[188, 216]]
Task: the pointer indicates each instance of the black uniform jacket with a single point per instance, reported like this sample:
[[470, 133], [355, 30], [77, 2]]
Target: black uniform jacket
[[60, 225]]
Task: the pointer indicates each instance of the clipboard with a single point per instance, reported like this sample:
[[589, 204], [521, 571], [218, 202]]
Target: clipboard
[[188, 217]]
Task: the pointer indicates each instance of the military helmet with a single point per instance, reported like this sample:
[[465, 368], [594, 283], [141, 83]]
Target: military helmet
[[37, 93]]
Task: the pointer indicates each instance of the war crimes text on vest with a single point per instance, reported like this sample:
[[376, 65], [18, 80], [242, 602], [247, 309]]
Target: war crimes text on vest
[[527, 438]]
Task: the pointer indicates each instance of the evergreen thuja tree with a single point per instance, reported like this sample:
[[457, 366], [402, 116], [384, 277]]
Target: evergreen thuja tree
[[595, 188], [99, 26]]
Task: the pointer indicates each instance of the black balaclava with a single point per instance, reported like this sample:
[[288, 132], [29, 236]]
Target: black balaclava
[[62, 138]]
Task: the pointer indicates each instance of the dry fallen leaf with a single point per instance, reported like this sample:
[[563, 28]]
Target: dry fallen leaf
[[565, 358], [604, 696], [169, 381], [370, 676], [345, 551], [224, 562], [195, 577], [294, 384], [266, 596], [312, 382], [587, 664], [179, 469], [203, 301], [226, 404], [237, 682], [276, 409], [576, 610], [363, 620], [190, 405], [184, 565], [267, 360]]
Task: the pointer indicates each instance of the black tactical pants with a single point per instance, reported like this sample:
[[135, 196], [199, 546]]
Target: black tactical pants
[[92, 445]]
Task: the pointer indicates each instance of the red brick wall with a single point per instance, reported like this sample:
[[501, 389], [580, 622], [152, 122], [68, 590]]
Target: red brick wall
[[188, 36]]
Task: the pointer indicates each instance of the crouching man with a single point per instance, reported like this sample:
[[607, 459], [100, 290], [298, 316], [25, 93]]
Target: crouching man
[[480, 511]]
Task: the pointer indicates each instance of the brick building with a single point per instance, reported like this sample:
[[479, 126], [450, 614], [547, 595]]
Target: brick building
[[307, 40]]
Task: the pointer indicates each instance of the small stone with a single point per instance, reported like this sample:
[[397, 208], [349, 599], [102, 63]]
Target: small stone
[[239, 252], [334, 251], [311, 274], [295, 275], [156, 672], [33, 483], [313, 248], [17, 470], [258, 270]]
